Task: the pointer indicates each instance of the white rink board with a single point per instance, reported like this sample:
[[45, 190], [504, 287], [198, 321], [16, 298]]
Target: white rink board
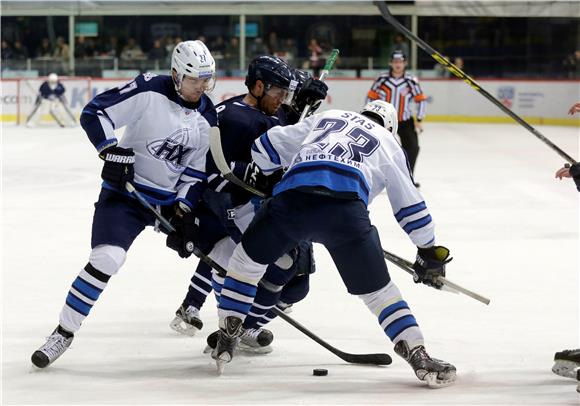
[[512, 229], [542, 100]]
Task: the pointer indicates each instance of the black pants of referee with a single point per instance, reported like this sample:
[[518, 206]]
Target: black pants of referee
[[409, 141]]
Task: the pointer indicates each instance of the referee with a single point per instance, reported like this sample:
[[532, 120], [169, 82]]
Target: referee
[[399, 88]]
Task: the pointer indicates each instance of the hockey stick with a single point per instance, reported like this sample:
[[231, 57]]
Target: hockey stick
[[467, 79], [373, 359], [164, 222], [67, 110], [366, 359], [215, 141], [325, 71], [215, 146], [56, 118], [407, 266]]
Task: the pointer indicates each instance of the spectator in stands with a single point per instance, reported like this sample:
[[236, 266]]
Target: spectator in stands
[[290, 51], [257, 48], [6, 52], [218, 47], [19, 52], [111, 48], [399, 44], [440, 70], [315, 60], [44, 50], [61, 50], [84, 48], [157, 52], [169, 45], [132, 51], [458, 61], [232, 55], [274, 43], [572, 65]]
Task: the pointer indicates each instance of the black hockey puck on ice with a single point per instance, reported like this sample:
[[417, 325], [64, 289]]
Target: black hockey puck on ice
[[320, 372]]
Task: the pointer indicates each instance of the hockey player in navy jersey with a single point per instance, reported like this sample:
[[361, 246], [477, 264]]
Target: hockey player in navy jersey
[[338, 161], [162, 153], [242, 119], [51, 96]]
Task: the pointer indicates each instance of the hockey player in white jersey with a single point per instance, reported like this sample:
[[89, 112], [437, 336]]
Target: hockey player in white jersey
[[338, 162], [162, 153]]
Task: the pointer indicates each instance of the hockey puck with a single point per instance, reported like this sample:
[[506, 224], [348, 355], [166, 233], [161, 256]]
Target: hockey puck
[[320, 372]]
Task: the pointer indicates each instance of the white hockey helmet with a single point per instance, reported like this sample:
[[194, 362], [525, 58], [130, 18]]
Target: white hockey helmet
[[192, 58], [385, 112], [52, 80]]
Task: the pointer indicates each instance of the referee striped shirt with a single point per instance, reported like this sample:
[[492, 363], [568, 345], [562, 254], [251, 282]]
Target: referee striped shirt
[[399, 92]]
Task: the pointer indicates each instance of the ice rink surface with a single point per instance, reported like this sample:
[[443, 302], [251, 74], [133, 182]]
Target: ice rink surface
[[511, 227]]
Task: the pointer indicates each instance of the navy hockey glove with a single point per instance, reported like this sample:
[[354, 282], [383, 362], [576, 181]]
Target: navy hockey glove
[[259, 180], [575, 172], [118, 168], [184, 238], [430, 264], [312, 92]]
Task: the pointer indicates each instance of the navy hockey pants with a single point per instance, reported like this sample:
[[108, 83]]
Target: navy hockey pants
[[342, 226]]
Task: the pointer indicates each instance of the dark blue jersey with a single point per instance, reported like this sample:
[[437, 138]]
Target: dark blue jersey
[[240, 124], [47, 93]]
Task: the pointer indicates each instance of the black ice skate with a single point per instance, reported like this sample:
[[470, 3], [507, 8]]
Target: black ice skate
[[435, 372], [186, 321], [228, 338], [565, 363], [55, 346], [252, 341]]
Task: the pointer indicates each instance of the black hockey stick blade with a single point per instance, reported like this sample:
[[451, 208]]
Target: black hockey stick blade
[[365, 359], [384, 9]]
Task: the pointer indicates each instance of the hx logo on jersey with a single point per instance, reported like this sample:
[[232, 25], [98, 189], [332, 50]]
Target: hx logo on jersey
[[173, 149]]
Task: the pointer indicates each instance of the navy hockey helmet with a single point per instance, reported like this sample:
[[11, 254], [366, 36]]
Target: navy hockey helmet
[[271, 70]]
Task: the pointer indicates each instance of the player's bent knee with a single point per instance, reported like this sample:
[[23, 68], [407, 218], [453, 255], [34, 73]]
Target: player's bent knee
[[107, 258]]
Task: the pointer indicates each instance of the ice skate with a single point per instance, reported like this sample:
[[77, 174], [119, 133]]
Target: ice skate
[[435, 372], [186, 321], [566, 362], [55, 346], [256, 341], [228, 338], [252, 341]]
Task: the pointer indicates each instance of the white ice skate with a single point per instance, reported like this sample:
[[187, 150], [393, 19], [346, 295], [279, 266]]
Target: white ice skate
[[566, 363], [55, 346], [435, 372], [186, 321]]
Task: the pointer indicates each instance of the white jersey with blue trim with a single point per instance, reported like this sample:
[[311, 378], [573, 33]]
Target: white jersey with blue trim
[[170, 137], [347, 154]]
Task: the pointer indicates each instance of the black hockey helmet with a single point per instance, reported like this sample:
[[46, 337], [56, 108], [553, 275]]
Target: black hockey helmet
[[398, 54], [271, 70], [300, 76]]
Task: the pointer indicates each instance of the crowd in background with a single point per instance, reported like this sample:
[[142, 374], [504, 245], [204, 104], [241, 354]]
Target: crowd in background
[[146, 51]]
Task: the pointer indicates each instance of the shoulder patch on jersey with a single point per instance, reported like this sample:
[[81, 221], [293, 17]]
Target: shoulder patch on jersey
[[209, 112]]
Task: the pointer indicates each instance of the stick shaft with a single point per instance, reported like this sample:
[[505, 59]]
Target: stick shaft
[[325, 71], [467, 79], [407, 267]]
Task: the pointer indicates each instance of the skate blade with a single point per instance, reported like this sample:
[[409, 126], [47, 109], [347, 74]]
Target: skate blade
[[435, 383], [567, 369], [183, 328], [246, 349], [221, 362]]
